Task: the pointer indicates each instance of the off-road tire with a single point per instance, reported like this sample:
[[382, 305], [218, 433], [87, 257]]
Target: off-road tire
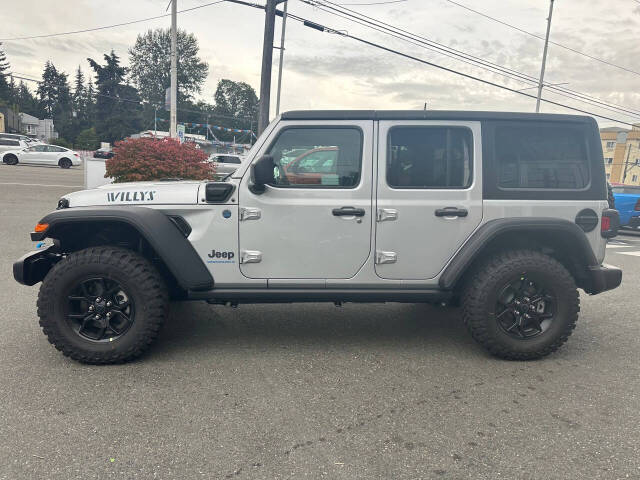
[[135, 273], [65, 163], [478, 305], [10, 159]]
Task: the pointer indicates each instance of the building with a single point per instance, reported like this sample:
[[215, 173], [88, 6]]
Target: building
[[36, 128], [9, 120], [621, 149]]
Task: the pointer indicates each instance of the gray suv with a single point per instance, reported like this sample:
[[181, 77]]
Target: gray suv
[[505, 214]]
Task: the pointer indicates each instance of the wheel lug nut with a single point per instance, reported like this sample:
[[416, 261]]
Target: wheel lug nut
[[97, 317], [91, 308], [98, 299], [109, 304]]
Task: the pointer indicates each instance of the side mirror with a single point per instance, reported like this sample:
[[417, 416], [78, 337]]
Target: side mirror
[[261, 174]]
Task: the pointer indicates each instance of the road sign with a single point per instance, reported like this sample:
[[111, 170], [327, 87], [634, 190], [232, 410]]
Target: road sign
[[181, 133]]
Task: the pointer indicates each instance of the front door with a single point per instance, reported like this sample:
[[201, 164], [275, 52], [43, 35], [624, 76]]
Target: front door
[[33, 154], [429, 197], [315, 220]]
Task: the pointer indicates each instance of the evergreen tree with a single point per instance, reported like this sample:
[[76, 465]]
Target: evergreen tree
[[5, 88], [79, 95], [26, 101], [55, 100], [118, 108]]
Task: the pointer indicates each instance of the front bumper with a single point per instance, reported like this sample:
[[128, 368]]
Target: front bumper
[[32, 267], [603, 278]]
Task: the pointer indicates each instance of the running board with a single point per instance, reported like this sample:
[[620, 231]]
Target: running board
[[246, 295]]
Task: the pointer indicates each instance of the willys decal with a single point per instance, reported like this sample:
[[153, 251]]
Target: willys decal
[[131, 196]]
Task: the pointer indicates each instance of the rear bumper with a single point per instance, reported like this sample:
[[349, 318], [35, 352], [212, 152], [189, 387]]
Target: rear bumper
[[634, 222], [34, 266], [603, 278]]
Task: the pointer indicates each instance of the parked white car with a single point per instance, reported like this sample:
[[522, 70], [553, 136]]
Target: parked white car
[[42, 154], [10, 144], [225, 163]]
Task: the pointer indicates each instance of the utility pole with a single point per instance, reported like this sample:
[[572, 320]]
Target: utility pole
[[267, 61], [626, 165], [173, 130], [544, 57], [284, 26]]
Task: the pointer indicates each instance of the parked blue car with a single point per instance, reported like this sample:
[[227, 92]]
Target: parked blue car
[[627, 201]]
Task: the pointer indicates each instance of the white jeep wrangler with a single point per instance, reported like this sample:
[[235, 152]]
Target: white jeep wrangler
[[505, 213]]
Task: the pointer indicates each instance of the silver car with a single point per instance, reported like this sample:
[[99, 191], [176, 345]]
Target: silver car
[[225, 163]]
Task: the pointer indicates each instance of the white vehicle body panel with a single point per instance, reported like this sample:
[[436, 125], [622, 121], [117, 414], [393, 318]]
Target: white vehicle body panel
[[297, 234], [422, 242]]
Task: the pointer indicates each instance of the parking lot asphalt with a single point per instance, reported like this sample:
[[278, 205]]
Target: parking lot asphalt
[[385, 391]]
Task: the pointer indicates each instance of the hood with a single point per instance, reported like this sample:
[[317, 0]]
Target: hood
[[137, 193]]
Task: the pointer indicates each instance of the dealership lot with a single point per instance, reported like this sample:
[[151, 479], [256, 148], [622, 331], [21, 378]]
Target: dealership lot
[[313, 391]]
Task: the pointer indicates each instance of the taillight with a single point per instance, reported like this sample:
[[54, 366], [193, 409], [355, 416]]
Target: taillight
[[637, 207], [609, 223]]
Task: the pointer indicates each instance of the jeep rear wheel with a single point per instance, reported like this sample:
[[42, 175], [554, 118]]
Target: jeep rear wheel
[[102, 305], [65, 163], [521, 305]]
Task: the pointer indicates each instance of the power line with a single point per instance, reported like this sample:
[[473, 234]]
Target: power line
[[322, 28], [542, 38], [108, 26], [464, 57]]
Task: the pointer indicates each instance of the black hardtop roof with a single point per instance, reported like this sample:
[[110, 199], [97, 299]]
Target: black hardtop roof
[[429, 115]]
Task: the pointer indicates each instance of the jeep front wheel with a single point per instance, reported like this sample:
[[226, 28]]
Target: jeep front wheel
[[521, 305], [102, 305]]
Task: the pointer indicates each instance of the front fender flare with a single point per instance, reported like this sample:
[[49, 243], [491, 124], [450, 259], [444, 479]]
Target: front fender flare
[[170, 244]]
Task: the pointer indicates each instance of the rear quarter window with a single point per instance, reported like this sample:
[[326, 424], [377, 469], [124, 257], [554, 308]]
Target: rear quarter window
[[541, 157], [12, 143]]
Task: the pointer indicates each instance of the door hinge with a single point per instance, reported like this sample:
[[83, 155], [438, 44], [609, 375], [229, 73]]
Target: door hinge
[[250, 213], [386, 214], [250, 256], [386, 257]]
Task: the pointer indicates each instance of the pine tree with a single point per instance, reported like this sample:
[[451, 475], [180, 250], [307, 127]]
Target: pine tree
[[5, 87], [55, 100], [79, 95], [118, 109]]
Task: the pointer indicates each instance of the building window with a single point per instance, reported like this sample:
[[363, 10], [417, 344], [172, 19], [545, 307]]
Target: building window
[[611, 144], [634, 178], [608, 160], [608, 176]]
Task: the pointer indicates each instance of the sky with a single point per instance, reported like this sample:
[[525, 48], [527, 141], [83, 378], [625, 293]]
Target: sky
[[328, 71]]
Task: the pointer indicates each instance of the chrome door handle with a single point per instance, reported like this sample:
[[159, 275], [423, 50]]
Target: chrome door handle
[[452, 212]]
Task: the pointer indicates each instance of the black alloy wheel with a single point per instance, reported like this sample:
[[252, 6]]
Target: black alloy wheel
[[524, 308], [100, 310], [65, 163]]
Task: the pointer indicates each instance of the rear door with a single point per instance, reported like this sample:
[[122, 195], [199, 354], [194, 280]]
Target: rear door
[[429, 197]]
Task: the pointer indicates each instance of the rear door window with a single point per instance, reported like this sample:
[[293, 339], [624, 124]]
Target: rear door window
[[430, 157], [541, 157]]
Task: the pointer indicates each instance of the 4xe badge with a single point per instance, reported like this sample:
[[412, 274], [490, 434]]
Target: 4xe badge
[[221, 257], [131, 196]]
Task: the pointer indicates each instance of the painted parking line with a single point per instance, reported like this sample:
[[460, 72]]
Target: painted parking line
[[618, 245], [634, 254], [40, 185]]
